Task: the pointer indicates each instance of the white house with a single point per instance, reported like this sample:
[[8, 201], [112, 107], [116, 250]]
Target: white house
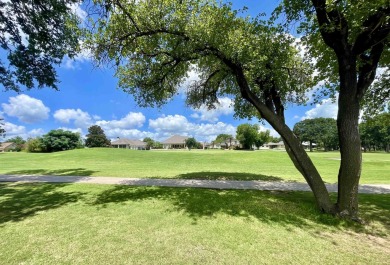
[[129, 144], [175, 142], [279, 145]]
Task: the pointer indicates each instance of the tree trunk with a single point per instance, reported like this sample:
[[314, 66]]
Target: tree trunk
[[350, 144], [311, 146], [295, 150]]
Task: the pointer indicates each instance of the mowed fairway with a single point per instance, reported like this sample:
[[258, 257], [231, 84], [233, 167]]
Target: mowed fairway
[[104, 224], [197, 164]]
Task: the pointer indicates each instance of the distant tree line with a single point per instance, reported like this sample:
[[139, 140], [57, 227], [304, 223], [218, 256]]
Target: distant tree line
[[61, 140], [249, 136], [375, 132]]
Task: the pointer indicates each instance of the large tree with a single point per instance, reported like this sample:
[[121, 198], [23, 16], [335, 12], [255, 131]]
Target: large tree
[[322, 131], [35, 36], [348, 40], [60, 140], [96, 137], [306, 130], [155, 43]]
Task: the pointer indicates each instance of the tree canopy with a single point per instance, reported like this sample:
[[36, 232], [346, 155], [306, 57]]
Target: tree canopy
[[96, 137], [35, 36], [262, 138], [60, 140], [191, 142], [375, 132], [223, 138], [322, 131], [247, 134]]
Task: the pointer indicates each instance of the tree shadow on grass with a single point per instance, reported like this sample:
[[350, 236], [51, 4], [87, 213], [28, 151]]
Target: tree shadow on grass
[[20, 201], [227, 176], [285, 208], [54, 172]]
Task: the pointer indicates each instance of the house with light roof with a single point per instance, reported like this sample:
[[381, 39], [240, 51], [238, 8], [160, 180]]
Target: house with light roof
[[7, 146], [129, 144], [175, 142]]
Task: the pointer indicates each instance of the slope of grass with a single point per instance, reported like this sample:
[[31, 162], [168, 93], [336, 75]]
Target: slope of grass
[[208, 164], [94, 224]]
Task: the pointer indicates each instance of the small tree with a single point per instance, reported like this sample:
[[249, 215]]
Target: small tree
[[35, 145], [149, 142], [19, 141], [191, 142], [224, 138], [96, 137], [262, 138], [247, 134], [2, 131]]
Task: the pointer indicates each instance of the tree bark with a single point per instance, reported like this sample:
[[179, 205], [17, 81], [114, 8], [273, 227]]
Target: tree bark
[[293, 145], [349, 139]]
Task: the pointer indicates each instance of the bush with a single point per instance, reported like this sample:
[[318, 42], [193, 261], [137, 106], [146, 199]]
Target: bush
[[34, 145]]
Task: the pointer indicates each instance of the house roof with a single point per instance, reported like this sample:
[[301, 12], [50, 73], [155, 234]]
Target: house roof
[[124, 141], [5, 145], [176, 139]]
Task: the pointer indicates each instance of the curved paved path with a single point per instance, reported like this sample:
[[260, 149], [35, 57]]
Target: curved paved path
[[192, 183]]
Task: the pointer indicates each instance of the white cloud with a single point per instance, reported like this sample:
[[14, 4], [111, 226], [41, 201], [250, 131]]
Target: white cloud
[[225, 107], [13, 130], [132, 120], [166, 126], [171, 123], [208, 132], [129, 134], [272, 131], [192, 76], [74, 130], [26, 109], [81, 119], [35, 132], [327, 109], [76, 9], [82, 57]]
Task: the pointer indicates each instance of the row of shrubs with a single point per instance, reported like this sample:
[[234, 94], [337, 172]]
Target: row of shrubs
[[55, 140]]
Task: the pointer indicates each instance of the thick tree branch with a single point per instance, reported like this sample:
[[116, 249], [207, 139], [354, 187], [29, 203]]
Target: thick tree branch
[[376, 30], [368, 70]]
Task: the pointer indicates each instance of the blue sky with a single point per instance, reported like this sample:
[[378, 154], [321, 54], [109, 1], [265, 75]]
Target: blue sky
[[89, 96]]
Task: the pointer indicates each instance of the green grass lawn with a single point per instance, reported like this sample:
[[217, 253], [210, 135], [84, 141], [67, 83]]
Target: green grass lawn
[[200, 164], [104, 224]]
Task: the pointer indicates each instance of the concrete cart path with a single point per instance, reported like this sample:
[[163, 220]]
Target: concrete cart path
[[190, 183]]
